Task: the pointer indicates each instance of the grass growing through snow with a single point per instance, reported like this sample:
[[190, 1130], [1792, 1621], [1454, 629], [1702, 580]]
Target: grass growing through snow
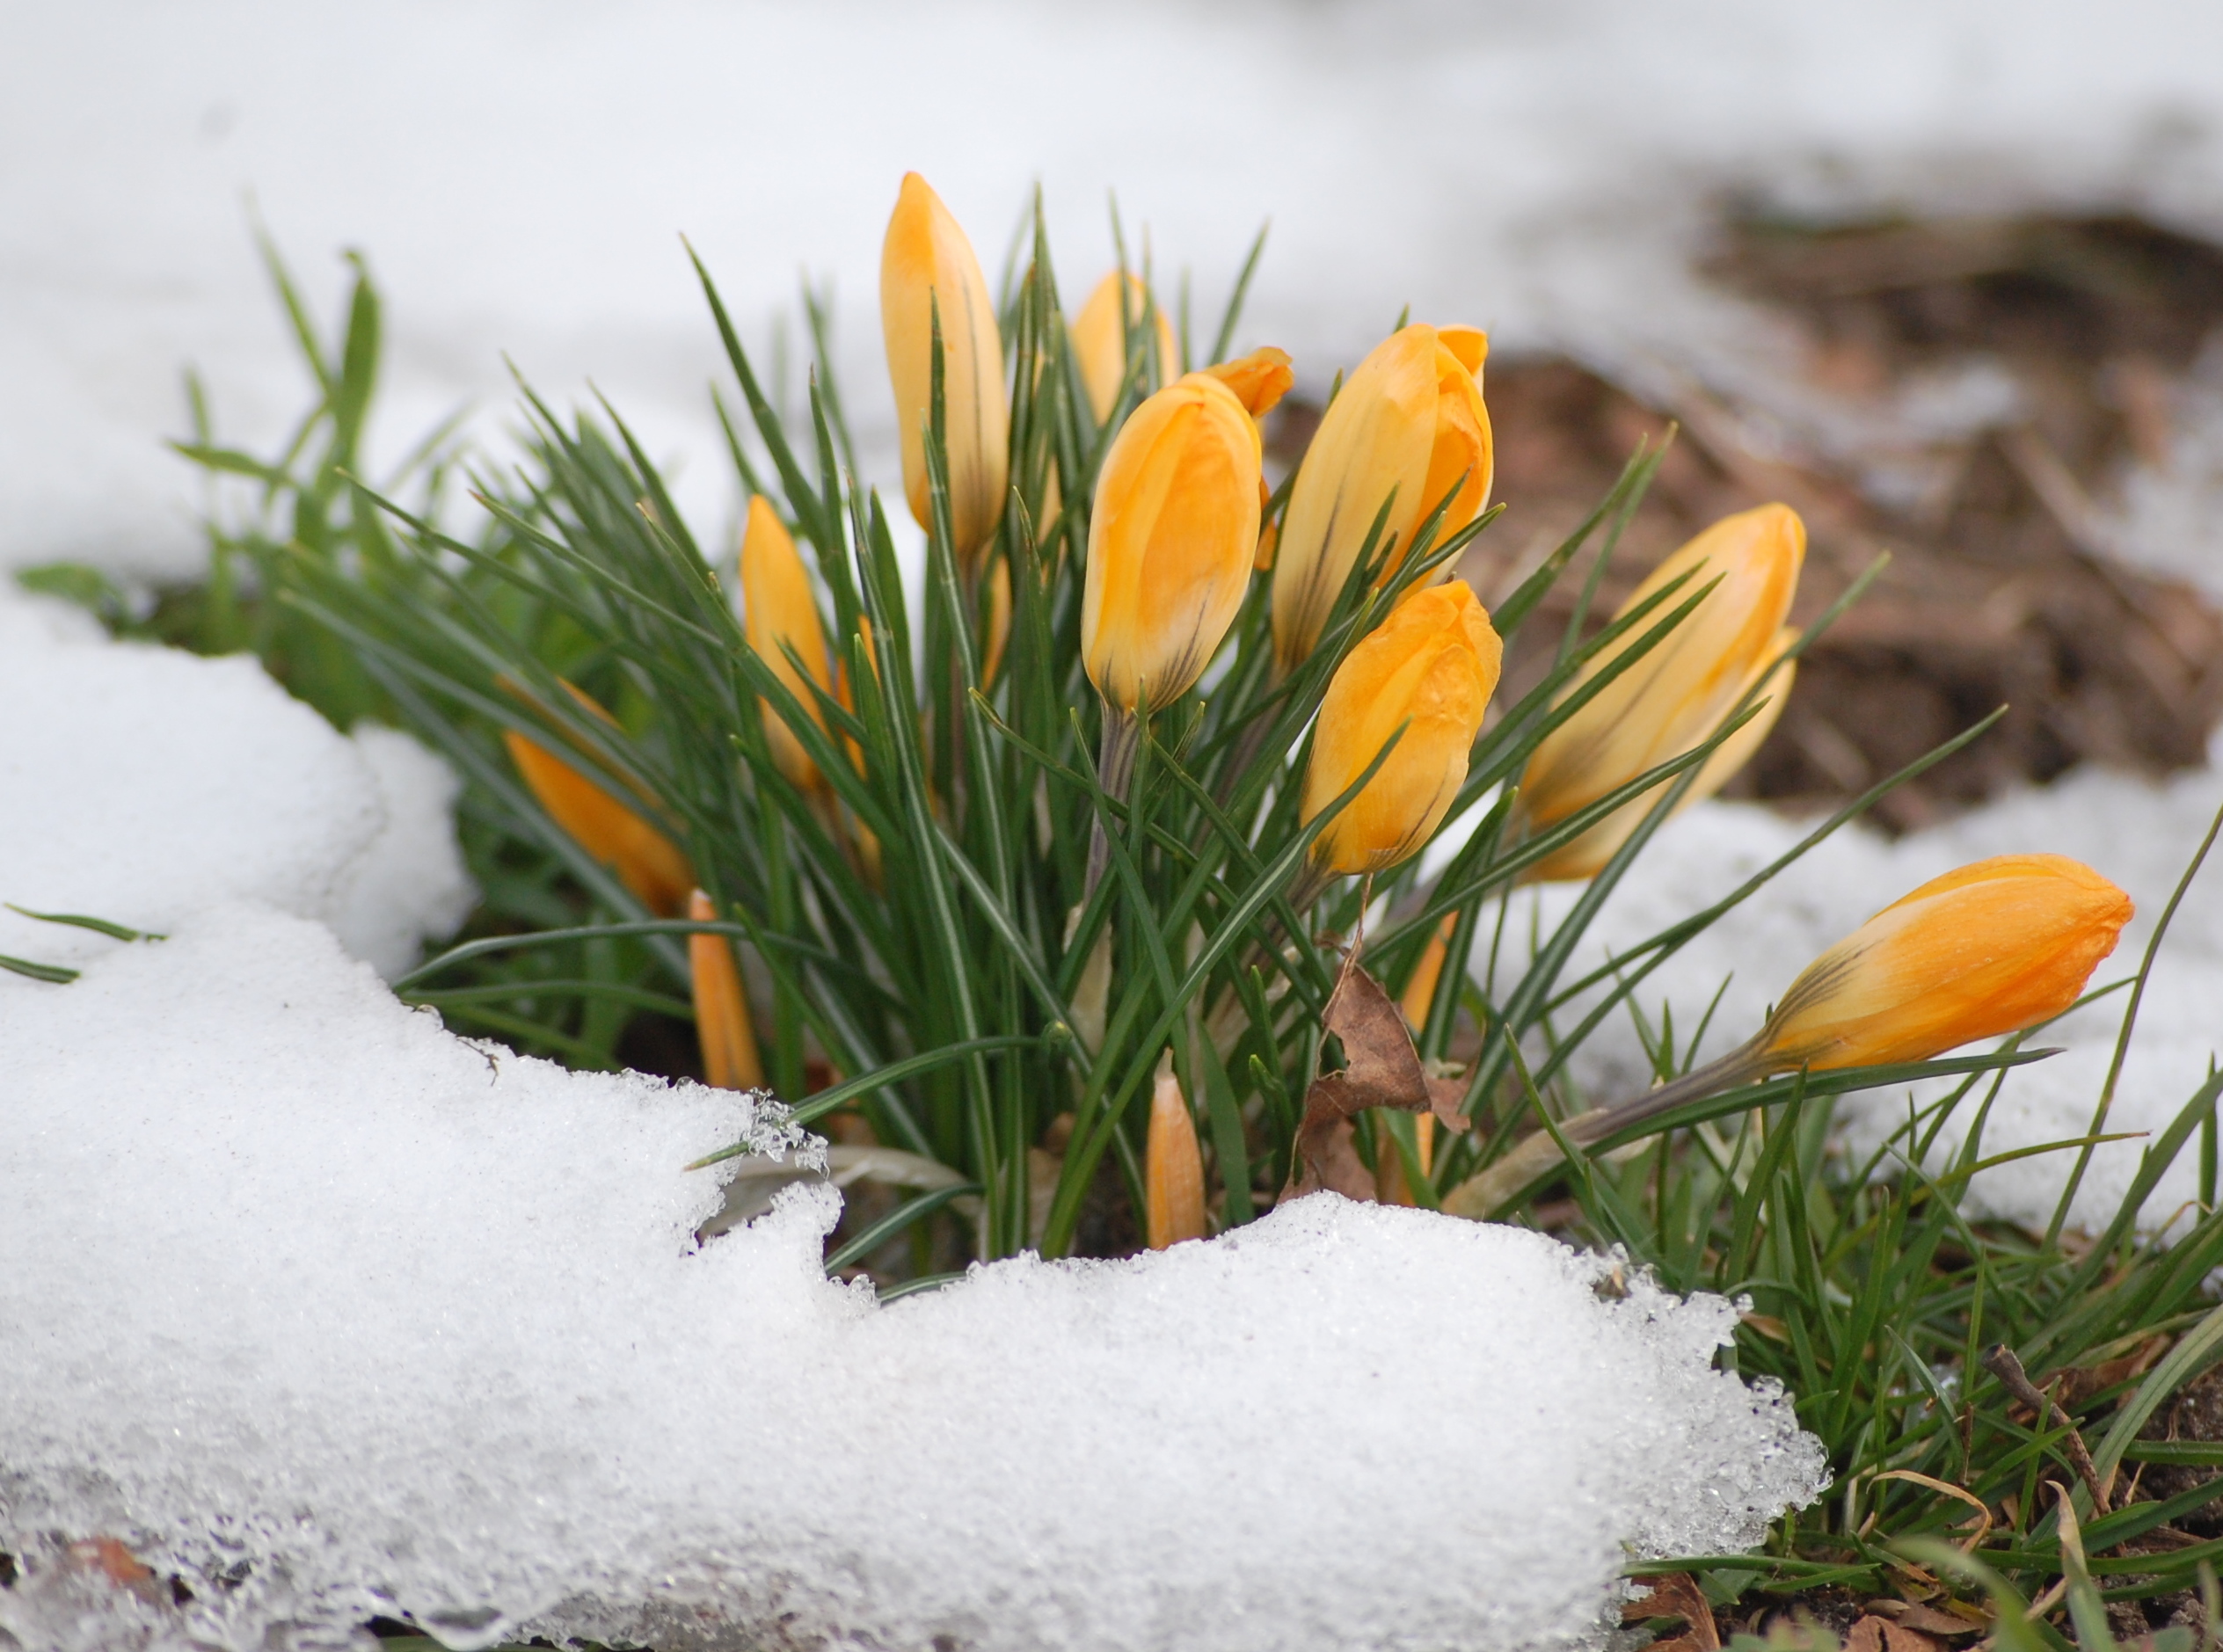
[[937, 1005]]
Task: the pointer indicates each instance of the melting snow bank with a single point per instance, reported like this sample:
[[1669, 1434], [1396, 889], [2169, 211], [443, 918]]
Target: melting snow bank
[[404, 1323], [139, 783]]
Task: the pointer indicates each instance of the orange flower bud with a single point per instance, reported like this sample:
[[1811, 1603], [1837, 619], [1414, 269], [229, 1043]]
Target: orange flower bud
[[647, 863], [1100, 341], [1991, 948], [926, 266], [1677, 694], [730, 1061], [1259, 379], [779, 611], [1175, 525], [1431, 668], [999, 622], [1173, 1169], [1410, 421]]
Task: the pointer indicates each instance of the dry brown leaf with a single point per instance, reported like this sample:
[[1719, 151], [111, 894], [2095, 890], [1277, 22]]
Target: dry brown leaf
[[1382, 1070], [1677, 1594], [1930, 1620]]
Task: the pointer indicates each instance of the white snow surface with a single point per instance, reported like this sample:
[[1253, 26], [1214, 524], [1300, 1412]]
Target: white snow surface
[[412, 1324], [2142, 833], [519, 176], [140, 784]]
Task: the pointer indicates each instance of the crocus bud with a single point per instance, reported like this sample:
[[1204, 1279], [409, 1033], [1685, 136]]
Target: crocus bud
[[999, 622], [647, 863], [779, 611], [926, 267], [1170, 540], [1676, 696], [1409, 422], [730, 1061], [1100, 341], [1173, 1169], [1991, 948], [1259, 379], [1430, 667]]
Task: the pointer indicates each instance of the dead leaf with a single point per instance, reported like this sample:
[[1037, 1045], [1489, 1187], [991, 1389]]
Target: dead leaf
[[1930, 1620], [1897, 1632], [1382, 1070], [1677, 1594]]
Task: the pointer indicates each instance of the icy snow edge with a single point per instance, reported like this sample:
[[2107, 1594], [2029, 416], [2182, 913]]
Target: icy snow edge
[[412, 1324]]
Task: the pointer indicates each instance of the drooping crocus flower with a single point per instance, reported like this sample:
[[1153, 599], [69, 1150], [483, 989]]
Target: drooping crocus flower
[[1408, 423], [616, 835], [1100, 338], [927, 268], [728, 1038], [1993, 948], [1170, 541], [1430, 668], [1173, 1169], [1990, 948], [779, 611], [1673, 697]]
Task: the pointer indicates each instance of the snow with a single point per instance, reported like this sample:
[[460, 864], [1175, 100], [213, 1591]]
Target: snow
[[519, 176], [2140, 833], [140, 784], [413, 1324]]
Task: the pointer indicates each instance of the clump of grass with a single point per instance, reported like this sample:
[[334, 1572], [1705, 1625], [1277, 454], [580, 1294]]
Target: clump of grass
[[970, 995]]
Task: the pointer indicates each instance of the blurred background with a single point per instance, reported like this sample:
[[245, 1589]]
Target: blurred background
[[1946, 277]]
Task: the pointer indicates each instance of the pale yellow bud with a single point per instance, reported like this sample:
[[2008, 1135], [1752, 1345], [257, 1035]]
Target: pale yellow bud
[[779, 611], [1170, 541], [1100, 341], [1173, 1169], [926, 266], [722, 1023], [1430, 668], [1673, 698], [1409, 422]]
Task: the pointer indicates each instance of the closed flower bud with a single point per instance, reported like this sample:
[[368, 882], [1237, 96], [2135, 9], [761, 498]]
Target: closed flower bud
[[1410, 423], [1430, 668], [926, 267], [1173, 1169], [1259, 379], [1170, 541], [615, 834], [1673, 698], [1991, 948], [722, 1024], [1100, 338], [779, 611]]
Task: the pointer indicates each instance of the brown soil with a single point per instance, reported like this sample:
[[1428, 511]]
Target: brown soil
[[1999, 589]]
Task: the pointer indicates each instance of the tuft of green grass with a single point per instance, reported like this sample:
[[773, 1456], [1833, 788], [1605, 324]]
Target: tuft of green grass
[[934, 1007]]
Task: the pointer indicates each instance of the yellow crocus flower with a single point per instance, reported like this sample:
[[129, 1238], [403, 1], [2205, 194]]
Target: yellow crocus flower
[[1172, 1170], [779, 611], [1170, 540], [1676, 696], [1100, 341], [1430, 668], [730, 1061], [615, 834], [926, 267], [1993, 948], [1410, 421]]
